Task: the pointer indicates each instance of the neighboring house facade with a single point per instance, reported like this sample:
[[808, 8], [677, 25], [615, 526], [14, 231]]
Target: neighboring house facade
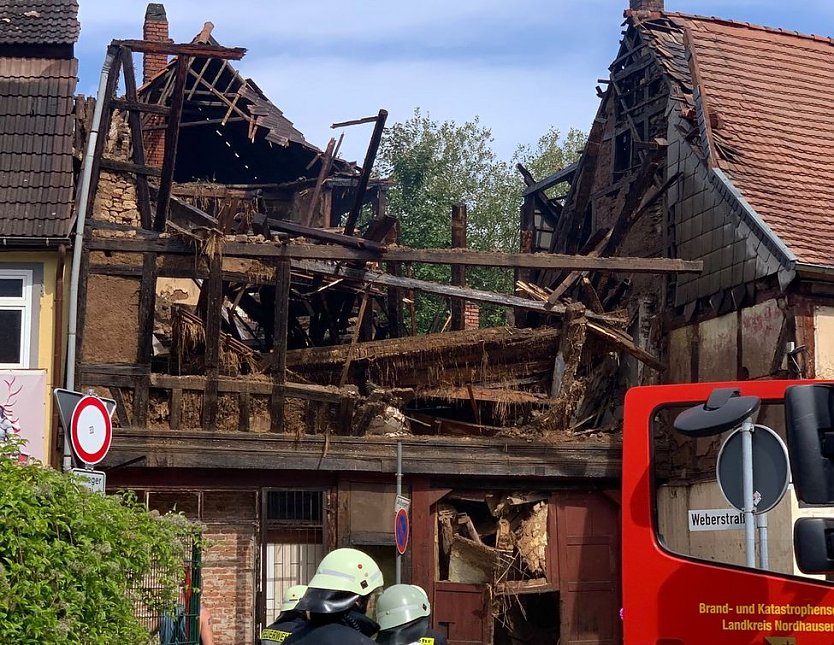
[[37, 84], [713, 142]]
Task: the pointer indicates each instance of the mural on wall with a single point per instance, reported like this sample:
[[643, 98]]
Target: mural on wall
[[23, 409]]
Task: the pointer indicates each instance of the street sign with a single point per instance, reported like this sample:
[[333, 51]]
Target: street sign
[[401, 530], [716, 519], [90, 430], [401, 502], [66, 400], [94, 480], [770, 469]]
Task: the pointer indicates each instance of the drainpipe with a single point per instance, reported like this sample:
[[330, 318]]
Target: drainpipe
[[58, 340], [83, 200]]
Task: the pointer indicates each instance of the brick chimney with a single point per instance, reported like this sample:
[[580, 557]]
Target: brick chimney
[[471, 315], [645, 5], [155, 28]]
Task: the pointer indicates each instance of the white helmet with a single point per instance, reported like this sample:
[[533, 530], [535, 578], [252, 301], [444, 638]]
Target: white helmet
[[401, 604], [292, 596], [347, 570]]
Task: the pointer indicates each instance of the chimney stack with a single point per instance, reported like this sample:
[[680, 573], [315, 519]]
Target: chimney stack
[[645, 5], [156, 29]]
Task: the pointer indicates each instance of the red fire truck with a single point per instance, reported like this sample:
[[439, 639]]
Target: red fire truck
[[692, 586]]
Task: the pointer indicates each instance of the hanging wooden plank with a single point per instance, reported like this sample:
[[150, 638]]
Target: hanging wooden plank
[[346, 368], [279, 344], [147, 306], [326, 163], [213, 288], [367, 165]]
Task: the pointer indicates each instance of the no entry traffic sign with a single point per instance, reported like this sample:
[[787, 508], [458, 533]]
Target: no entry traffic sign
[[401, 530], [90, 430]]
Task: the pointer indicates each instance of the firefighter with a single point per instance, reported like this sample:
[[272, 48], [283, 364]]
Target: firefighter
[[290, 619], [402, 612], [337, 598]]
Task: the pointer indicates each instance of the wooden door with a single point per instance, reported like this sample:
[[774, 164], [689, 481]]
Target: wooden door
[[462, 612], [589, 568]]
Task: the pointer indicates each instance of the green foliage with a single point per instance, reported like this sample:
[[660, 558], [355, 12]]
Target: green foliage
[[73, 563], [439, 164]]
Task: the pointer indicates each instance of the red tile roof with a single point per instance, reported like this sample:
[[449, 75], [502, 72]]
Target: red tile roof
[[767, 93]]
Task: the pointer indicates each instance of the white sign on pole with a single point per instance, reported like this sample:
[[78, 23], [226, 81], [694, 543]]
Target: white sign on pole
[[94, 480], [716, 519], [401, 502]]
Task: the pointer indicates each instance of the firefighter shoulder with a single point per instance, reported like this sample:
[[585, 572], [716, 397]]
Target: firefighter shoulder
[[337, 598], [289, 621], [402, 612]]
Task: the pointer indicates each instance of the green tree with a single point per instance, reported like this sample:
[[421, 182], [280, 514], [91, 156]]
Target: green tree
[[73, 563], [438, 164]]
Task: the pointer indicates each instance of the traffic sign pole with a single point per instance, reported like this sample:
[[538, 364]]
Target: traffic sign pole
[[747, 485]]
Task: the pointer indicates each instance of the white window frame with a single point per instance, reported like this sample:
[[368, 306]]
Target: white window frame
[[22, 303]]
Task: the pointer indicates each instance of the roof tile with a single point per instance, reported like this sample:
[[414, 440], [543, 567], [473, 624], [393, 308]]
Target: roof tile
[[39, 22], [770, 91]]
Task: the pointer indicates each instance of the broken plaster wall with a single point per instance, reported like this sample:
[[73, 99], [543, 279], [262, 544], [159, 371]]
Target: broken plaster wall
[[116, 191]]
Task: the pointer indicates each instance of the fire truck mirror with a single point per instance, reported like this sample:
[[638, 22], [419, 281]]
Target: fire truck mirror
[[724, 410], [809, 421], [813, 544]]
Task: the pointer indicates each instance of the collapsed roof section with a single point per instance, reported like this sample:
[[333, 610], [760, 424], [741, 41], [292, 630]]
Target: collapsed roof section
[[230, 132]]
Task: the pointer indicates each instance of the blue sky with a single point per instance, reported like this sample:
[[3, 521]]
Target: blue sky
[[521, 66]]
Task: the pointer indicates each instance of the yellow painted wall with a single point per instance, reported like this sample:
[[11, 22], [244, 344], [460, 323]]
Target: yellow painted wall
[[47, 336]]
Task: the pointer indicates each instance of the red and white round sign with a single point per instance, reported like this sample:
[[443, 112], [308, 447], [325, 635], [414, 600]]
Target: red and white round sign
[[91, 430]]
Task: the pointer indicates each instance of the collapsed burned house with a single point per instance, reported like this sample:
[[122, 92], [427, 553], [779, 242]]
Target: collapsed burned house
[[244, 301]]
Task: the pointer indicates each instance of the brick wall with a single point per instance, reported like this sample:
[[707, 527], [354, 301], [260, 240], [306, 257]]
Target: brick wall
[[229, 564], [471, 316]]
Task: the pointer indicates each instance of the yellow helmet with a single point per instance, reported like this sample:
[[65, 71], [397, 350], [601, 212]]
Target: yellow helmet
[[292, 596]]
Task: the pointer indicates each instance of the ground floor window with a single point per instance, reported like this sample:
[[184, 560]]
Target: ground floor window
[[15, 317], [294, 542]]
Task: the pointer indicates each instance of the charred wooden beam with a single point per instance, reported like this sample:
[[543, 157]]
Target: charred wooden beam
[[134, 104], [324, 236], [147, 305], [366, 119], [367, 165], [172, 134], [214, 304], [143, 200], [458, 271], [326, 163], [279, 344], [140, 170], [106, 114], [182, 49]]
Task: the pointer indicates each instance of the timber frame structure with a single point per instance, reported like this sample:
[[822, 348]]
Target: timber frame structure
[[244, 300]]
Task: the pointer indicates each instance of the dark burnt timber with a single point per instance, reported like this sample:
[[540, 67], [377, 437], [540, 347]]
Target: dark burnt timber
[[182, 49], [370, 157], [426, 455], [398, 254]]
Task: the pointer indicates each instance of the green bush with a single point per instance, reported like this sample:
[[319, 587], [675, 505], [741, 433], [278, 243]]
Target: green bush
[[73, 564]]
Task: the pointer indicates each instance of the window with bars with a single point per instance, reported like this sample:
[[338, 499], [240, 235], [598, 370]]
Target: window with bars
[[295, 532]]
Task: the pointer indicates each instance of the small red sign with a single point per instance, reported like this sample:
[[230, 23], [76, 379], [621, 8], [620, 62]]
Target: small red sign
[[91, 430], [401, 530]]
